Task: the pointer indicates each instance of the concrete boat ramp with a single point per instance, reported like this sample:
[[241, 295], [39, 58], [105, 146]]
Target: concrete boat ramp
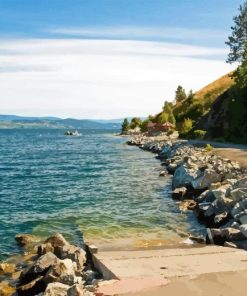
[[132, 271]]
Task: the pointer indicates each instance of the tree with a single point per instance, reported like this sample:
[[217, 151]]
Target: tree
[[135, 122], [125, 126], [180, 94], [144, 125], [237, 41], [163, 117], [238, 46], [240, 74], [190, 97], [167, 106], [167, 114], [171, 119]]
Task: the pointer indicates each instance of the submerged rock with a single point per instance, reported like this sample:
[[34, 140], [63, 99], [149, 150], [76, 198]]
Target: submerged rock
[[6, 268], [57, 240], [6, 289], [24, 239]]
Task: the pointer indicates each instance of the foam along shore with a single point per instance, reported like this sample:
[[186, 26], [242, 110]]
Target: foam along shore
[[217, 187]]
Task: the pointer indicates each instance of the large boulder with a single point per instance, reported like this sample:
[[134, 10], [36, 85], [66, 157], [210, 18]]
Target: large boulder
[[239, 207], [57, 240], [63, 272], [38, 268], [166, 151], [222, 191], [183, 177], [242, 217], [205, 179], [76, 254], [220, 236], [239, 194], [219, 206], [206, 197], [56, 289]]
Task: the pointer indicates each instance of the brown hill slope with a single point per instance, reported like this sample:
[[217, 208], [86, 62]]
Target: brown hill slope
[[217, 87]]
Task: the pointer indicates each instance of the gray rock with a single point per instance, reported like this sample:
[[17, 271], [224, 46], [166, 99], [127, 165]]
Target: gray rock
[[204, 181], [243, 229], [207, 196], [239, 194], [183, 176]]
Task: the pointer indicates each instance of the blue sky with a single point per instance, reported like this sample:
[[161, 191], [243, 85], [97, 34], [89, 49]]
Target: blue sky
[[108, 58]]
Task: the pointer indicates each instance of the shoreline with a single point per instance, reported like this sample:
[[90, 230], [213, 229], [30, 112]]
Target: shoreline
[[215, 188]]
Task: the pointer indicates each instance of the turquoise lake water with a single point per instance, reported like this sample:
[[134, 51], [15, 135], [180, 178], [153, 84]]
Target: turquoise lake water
[[92, 185]]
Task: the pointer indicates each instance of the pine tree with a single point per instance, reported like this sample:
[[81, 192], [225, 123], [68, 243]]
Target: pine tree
[[238, 46], [238, 39], [125, 126], [180, 94]]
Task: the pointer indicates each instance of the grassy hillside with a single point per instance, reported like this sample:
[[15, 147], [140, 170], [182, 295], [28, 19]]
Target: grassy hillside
[[196, 106], [217, 111], [215, 88]]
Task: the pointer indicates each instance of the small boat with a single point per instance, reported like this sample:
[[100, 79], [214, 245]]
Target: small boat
[[72, 133]]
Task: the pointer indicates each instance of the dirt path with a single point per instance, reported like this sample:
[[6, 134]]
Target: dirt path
[[239, 155], [234, 152]]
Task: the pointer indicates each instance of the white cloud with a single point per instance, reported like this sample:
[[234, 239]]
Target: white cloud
[[99, 78], [174, 33]]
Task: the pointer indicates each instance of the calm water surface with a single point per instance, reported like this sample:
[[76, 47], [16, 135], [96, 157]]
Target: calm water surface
[[93, 185]]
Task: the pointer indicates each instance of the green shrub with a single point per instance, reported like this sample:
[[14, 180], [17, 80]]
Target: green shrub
[[199, 134], [209, 147], [186, 125]]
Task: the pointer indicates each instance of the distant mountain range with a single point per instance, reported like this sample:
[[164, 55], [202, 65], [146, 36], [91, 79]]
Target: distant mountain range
[[15, 121]]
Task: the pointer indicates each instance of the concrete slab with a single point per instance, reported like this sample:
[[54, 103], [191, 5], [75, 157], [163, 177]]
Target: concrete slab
[[136, 270]]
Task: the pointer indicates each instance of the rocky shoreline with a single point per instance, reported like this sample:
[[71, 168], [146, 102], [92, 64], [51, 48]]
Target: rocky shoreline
[[48, 268], [215, 188]]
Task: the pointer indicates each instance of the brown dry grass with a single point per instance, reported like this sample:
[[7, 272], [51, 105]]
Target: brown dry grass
[[221, 84]]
